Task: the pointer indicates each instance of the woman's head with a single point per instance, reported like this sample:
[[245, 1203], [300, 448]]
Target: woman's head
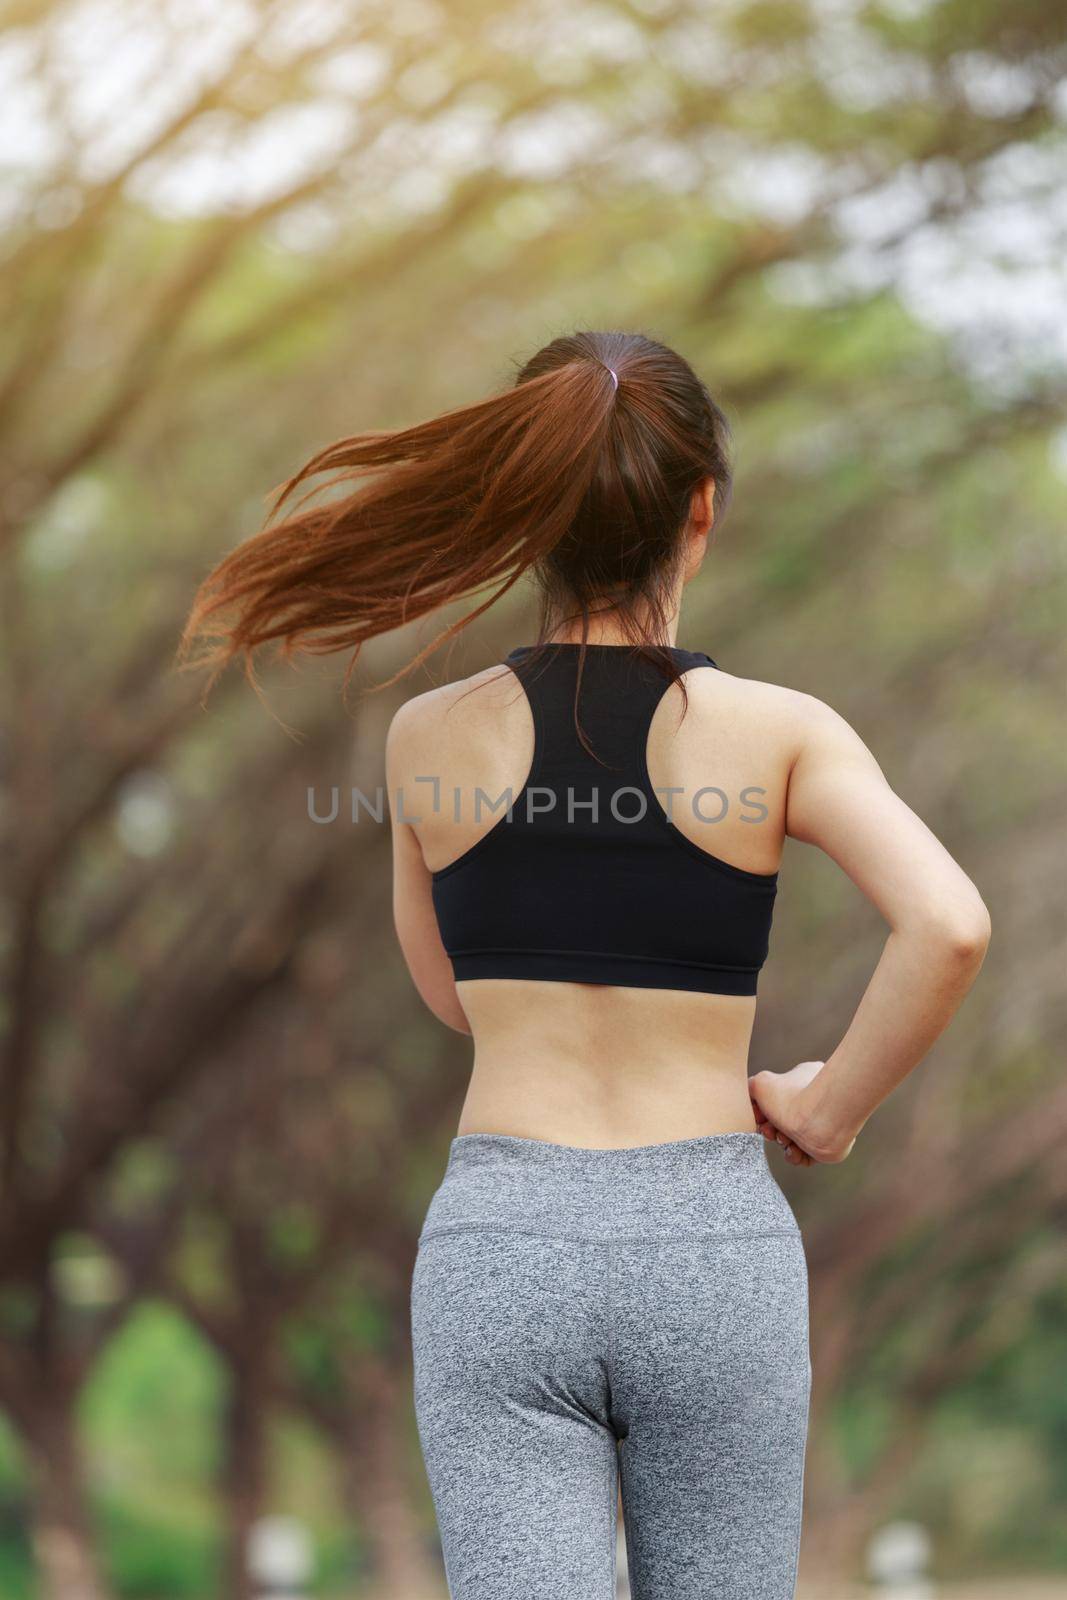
[[593, 472], [646, 511]]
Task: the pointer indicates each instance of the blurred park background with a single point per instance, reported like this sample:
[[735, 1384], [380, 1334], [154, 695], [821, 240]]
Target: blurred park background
[[234, 230]]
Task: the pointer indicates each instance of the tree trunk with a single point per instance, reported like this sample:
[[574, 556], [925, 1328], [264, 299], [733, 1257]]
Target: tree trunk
[[244, 1473], [64, 1545], [379, 1490], [834, 1542]]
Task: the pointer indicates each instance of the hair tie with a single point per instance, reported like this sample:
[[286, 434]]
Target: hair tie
[[614, 374]]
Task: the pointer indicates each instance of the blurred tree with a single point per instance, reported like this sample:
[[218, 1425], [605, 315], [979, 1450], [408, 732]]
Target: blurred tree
[[284, 1229], [781, 191]]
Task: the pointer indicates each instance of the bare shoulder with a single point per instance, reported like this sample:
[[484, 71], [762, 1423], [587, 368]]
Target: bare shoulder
[[793, 719], [773, 703], [438, 716]]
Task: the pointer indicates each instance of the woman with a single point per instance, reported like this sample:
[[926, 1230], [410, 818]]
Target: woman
[[586, 840]]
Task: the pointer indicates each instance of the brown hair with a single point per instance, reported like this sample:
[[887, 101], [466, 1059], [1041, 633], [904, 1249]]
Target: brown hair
[[586, 481]]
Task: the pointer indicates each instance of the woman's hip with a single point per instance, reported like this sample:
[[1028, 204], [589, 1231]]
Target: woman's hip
[[715, 1186]]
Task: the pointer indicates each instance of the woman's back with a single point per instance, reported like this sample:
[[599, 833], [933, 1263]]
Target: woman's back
[[661, 1053]]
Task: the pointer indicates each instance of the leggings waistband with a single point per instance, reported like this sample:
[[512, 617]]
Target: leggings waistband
[[685, 1188]]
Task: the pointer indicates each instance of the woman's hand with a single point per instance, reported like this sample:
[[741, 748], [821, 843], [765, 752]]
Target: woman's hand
[[780, 1105]]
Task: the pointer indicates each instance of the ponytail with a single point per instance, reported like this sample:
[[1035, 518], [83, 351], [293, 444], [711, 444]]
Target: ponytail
[[584, 471], [443, 510]]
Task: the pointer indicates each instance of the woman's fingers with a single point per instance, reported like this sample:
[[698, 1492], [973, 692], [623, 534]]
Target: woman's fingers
[[792, 1152], [763, 1123]]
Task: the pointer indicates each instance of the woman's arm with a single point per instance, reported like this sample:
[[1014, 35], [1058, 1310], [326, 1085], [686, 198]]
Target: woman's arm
[[839, 800], [413, 912]]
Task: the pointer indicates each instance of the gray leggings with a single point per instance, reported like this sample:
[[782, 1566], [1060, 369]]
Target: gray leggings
[[580, 1314]]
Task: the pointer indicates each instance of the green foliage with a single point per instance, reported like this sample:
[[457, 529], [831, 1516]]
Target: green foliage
[[150, 1411], [151, 1559]]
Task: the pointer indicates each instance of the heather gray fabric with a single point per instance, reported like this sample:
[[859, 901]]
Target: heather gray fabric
[[576, 1313]]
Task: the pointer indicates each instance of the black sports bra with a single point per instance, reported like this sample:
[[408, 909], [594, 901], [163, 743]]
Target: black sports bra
[[584, 878]]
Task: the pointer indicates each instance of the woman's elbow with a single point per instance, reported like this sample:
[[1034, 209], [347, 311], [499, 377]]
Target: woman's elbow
[[961, 933], [969, 939]]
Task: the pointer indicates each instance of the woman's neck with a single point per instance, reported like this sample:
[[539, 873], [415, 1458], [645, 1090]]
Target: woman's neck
[[604, 628]]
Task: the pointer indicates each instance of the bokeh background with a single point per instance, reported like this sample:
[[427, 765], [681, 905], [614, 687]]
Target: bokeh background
[[234, 231]]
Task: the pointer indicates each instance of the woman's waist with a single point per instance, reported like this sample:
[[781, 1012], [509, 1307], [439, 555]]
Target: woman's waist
[[709, 1185], [617, 1094]]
